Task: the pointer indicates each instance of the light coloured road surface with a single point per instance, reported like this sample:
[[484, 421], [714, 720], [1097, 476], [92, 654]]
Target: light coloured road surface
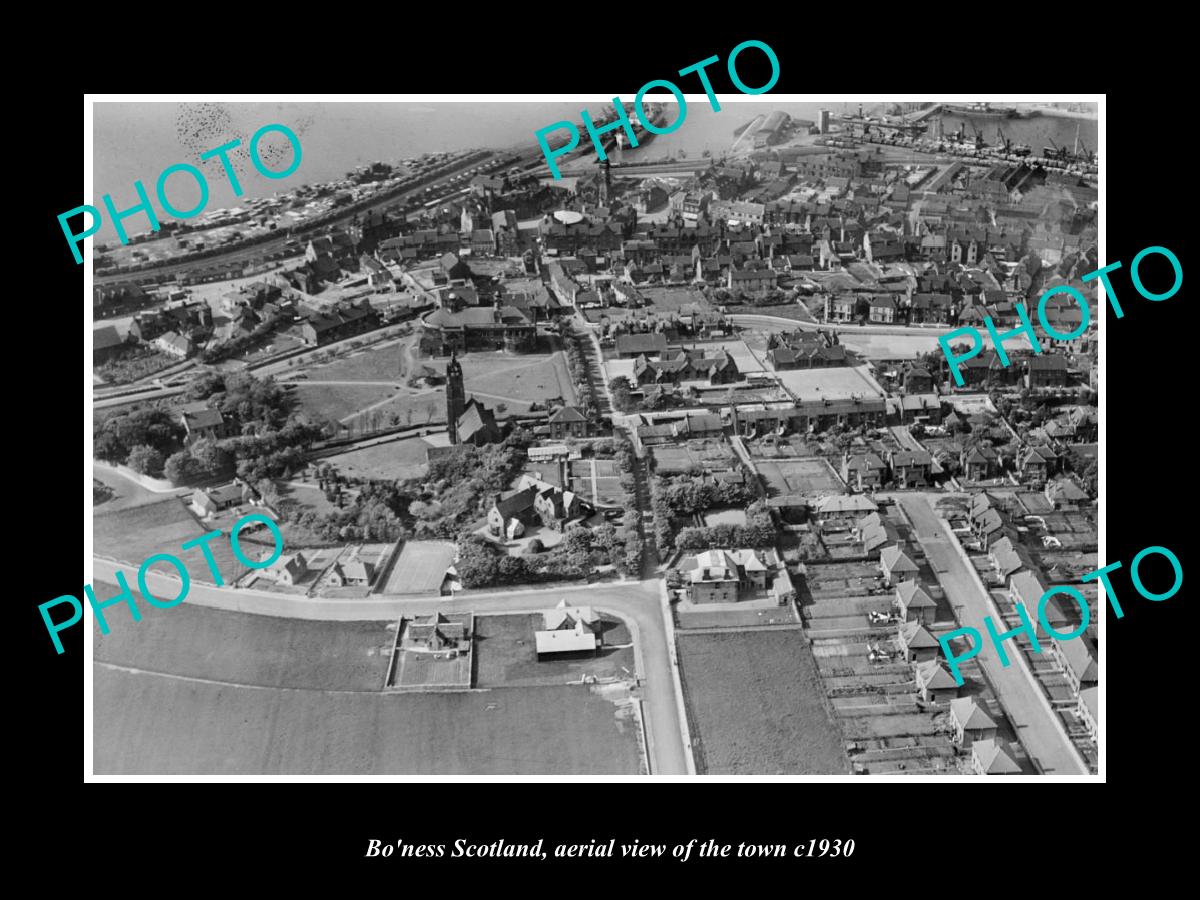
[[753, 320], [636, 602], [1037, 726]]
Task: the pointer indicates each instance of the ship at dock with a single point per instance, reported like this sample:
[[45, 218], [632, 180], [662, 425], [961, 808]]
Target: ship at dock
[[982, 110], [656, 115]]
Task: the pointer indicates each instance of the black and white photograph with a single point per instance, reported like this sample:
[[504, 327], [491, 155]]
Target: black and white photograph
[[742, 435]]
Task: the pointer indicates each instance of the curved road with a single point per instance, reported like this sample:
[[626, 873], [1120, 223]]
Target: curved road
[[635, 602]]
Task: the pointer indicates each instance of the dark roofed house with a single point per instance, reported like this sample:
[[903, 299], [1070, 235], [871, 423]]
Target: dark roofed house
[[568, 421], [911, 468], [630, 346], [915, 605], [1047, 370], [351, 573], [970, 722], [106, 343], [896, 566], [988, 757], [1077, 657], [917, 643], [204, 423], [509, 515], [934, 683]]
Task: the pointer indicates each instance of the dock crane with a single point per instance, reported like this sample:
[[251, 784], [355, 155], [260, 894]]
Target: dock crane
[[1003, 140], [979, 142], [1011, 149]]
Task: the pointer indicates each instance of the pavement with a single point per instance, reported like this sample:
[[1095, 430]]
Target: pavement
[[638, 603], [1038, 727], [754, 320]]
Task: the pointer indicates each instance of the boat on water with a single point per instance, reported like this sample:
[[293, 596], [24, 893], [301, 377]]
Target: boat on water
[[982, 110]]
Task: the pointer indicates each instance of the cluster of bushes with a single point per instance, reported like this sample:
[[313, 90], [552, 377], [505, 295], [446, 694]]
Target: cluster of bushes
[[759, 531], [657, 397], [272, 441], [237, 345], [482, 564], [459, 486], [378, 513], [577, 364], [133, 362], [141, 439]]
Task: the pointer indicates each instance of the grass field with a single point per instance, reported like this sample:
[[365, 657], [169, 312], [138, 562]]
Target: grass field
[[505, 655], [830, 383], [756, 705], [401, 459], [517, 380], [201, 642], [891, 346], [424, 408], [379, 363], [334, 402], [420, 569], [799, 476], [134, 533], [149, 724]]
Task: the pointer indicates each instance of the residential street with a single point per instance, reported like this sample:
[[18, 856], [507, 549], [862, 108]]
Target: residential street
[[1038, 727], [635, 602]]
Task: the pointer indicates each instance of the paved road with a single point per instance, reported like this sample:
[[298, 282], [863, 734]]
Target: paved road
[[758, 321], [1038, 727], [636, 602]]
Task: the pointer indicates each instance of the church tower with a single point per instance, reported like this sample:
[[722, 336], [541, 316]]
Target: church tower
[[455, 397]]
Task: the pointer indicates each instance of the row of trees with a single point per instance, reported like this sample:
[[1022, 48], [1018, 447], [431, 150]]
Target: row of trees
[[631, 521], [578, 366], [759, 531]]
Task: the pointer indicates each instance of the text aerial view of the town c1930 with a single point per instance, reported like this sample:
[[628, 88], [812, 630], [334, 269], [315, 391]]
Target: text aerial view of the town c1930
[[655, 468]]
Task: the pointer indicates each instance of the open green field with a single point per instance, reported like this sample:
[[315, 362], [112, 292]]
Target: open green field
[[517, 380], [402, 459], [424, 408], [505, 654], [334, 402], [383, 362], [201, 642], [756, 705], [150, 724], [134, 533]]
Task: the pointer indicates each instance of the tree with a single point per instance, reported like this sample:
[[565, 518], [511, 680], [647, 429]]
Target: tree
[[211, 456], [181, 468], [108, 447], [146, 460]]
